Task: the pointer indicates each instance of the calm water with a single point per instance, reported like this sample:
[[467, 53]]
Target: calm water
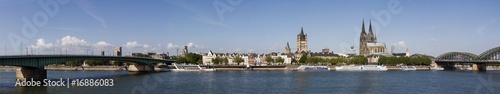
[[422, 82]]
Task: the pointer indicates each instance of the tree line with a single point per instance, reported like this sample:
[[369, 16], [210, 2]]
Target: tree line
[[305, 60], [404, 60]]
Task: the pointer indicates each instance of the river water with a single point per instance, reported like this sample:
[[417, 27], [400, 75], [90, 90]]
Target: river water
[[312, 82]]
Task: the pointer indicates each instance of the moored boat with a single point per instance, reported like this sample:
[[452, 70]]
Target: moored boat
[[312, 68], [408, 68], [361, 68], [191, 68]]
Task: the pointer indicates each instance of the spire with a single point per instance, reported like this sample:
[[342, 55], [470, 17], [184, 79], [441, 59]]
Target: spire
[[371, 35], [370, 28], [287, 45], [301, 30], [363, 27]]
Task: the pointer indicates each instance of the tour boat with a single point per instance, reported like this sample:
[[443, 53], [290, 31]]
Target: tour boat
[[348, 68], [313, 68], [191, 68], [408, 68], [361, 68], [436, 68], [373, 68]]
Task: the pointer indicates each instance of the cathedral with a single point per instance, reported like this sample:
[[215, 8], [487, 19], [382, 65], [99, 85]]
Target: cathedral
[[368, 44]]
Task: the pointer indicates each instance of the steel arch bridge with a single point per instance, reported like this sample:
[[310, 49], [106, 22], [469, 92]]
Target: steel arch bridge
[[39, 61], [457, 56], [479, 62], [491, 54]]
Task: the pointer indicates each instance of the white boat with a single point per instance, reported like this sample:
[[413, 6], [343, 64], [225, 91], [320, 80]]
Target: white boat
[[191, 68], [408, 68], [374, 68], [308, 68], [348, 68], [361, 68], [436, 68]]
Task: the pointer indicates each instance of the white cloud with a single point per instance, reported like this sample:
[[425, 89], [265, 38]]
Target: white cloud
[[133, 44], [102, 44], [250, 50], [171, 46], [72, 41], [401, 44], [238, 49], [40, 44], [145, 46], [192, 45]]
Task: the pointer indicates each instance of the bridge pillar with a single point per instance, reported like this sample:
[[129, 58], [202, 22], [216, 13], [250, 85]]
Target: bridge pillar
[[447, 66], [479, 67], [140, 68], [38, 74]]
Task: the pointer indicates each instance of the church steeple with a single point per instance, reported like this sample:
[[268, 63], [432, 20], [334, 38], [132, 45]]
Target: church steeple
[[363, 28], [301, 30], [371, 35], [363, 39], [370, 28], [288, 50], [302, 41]]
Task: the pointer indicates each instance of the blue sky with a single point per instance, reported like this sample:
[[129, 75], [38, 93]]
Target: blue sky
[[261, 26]]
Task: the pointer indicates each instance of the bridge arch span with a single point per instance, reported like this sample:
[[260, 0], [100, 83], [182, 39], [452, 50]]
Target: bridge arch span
[[457, 56], [491, 54]]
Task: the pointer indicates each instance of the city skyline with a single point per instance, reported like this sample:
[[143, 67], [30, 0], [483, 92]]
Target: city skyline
[[425, 27]]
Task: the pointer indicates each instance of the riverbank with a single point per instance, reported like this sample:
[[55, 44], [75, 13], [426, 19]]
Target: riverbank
[[111, 68], [218, 67]]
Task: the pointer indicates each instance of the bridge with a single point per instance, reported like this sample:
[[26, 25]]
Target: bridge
[[479, 62], [32, 66]]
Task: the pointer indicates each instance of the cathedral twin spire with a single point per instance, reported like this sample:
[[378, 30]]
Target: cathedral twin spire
[[366, 38], [370, 37]]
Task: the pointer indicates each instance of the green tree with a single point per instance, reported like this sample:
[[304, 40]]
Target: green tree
[[217, 60], [405, 60], [359, 60], [421, 61], [193, 58], [225, 60], [73, 63], [313, 60], [269, 59], [294, 61], [303, 59], [238, 60], [182, 60], [279, 60], [333, 61]]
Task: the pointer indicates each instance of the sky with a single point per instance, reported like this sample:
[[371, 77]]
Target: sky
[[431, 27]]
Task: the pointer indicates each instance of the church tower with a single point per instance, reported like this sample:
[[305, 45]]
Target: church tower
[[288, 50], [371, 36], [363, 39], [302, 41]]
